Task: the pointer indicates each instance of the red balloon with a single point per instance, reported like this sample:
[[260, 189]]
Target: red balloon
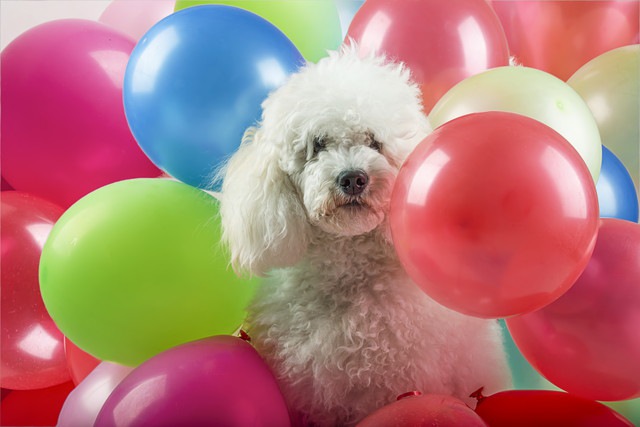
[[560, 36], [424, 411], [79, 362], [34, 407], [64, 131], [588, 341], [494, 214], [32, 354], [442, 42], [537, 408]]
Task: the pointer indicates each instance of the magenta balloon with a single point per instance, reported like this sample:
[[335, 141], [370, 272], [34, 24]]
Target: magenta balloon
[[588, 341], [64, 132], [216, 381], [85, 401], [135, 17]]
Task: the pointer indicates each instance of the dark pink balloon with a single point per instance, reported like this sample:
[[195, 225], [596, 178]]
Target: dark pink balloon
[[494, 214], [32, 351], [559, 36], [588, 341], [442, 42], [64, 132], [217, 381]]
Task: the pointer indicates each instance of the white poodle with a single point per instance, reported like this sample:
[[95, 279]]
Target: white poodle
[[306, 199]]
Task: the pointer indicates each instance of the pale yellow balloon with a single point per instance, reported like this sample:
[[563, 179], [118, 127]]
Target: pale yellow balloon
[[610, 85], [532, 93]]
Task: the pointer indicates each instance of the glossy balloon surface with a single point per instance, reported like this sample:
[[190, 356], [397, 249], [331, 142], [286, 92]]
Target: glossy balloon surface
[[617, 195], [312, 26], [559, 36], [196, 82], [442, 42], [532, 93], [610, 86], [494, 214], [32, 345], [216, 381], [136, 267], [587, 342], [64, 131], [536, 408]]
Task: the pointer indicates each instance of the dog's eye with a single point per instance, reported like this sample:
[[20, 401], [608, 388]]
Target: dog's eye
[[374, 144], [319, 144]]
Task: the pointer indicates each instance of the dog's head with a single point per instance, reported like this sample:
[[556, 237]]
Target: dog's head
[[324, 158]]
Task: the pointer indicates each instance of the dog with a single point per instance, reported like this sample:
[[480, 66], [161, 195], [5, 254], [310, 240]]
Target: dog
[[305, 200]]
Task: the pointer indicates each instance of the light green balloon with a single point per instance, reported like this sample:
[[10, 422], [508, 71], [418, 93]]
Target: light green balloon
[[529, 92], [136, 267], [610, 85], [313, 26]]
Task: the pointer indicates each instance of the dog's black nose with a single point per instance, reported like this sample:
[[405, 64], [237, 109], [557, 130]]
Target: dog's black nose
[[353, 182]]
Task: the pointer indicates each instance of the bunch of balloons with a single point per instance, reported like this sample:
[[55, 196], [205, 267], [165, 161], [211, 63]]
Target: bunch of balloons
[[117, 300]]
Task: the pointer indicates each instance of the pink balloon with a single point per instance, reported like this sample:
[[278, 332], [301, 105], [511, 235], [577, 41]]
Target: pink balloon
[[588, 341], [64, 132], [494, 214], [216, 381], [79, 362], [559, 36], [32, 355], [82, 406], [424, 411], [442, 42], [135, 17]]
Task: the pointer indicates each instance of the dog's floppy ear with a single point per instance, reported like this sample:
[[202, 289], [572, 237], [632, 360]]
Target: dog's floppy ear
[[263, 222]]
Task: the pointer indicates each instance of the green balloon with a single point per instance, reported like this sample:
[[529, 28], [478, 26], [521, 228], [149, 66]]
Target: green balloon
[[136, 267], [313, 26]]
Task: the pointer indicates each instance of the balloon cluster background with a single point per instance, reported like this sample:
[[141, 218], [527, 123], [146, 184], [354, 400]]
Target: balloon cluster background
[[114, 286]]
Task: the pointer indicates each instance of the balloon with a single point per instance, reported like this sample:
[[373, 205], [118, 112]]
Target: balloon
[[494, 214], [312, 26], [195, 82], [64, 132], [560, 36], [587, 342], [135, 17], [616, 194], [32, 346], [5, 185], [611, 88], [135, 268], [427, 410], [34, 407], [216, 381], [532, 93], [442, 42], [79, 362], [84, 403], [535, 408]]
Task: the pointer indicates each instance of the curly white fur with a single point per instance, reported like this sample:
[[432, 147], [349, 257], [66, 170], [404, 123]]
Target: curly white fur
[[338, 320]]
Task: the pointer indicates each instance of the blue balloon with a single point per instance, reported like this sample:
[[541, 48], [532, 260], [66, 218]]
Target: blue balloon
[[616, 193], [196, 81]]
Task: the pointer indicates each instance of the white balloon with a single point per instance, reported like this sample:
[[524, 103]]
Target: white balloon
[[530, 92]]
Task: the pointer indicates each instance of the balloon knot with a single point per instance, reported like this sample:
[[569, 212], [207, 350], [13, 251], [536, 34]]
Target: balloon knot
[[409, 394], [478, 395], [244, 336]]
